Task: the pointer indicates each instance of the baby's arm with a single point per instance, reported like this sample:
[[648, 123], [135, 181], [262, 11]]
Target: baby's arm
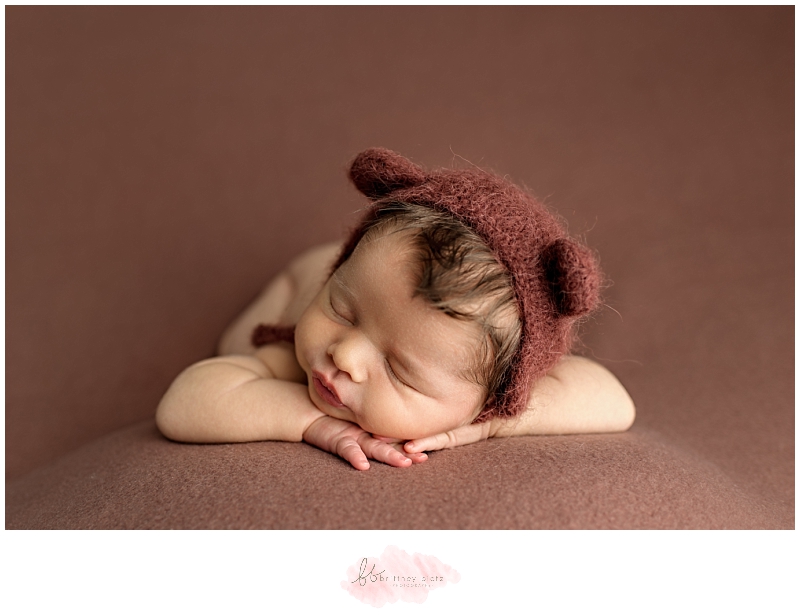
[[577, 396], [237, 398]]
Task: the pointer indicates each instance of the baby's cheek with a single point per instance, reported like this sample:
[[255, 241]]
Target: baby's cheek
[[386, 421], [300, 350], [304, 335], [380, 418]]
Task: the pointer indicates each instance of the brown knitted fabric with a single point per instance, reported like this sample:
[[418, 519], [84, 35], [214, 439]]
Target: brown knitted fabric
[[556, 279]]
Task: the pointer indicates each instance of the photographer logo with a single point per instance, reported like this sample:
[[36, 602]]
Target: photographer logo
[[396, 575]]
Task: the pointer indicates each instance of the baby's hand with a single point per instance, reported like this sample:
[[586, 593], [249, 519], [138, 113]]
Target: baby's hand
[[459, 436], [355, 445]]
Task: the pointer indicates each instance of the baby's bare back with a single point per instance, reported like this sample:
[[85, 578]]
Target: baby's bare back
[[284, 299]]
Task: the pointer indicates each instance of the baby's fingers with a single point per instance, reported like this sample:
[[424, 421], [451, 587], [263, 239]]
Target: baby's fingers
[[414, 457], [417, 457], [455, 437], [390, 455], [385, 439], [398, 445], [387, 453], [349, 450]]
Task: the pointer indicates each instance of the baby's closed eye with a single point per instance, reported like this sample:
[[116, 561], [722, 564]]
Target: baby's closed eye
[[340, 311], [392, 374]]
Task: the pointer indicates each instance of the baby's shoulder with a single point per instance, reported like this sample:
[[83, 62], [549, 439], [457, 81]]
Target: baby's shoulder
[[281, 361], [313, 266], [284, 299], [307, 273]]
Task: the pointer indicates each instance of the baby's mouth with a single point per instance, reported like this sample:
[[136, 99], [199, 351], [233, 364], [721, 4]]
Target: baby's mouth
[[326, 391]]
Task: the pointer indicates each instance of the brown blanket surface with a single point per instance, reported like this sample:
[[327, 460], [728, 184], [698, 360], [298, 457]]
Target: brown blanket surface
[[135, 479], [163, 163]]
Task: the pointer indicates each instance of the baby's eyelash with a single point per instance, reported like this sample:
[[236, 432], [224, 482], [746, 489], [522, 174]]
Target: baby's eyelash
[[394, 375]]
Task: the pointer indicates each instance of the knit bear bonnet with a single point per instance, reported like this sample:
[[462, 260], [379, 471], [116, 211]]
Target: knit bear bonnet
[[556, 279]]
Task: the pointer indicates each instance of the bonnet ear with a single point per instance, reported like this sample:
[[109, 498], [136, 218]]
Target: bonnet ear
[[573, 276], [377, 172]]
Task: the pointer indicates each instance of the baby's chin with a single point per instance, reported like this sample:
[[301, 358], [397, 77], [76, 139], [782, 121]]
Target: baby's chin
[[343, 414], [392, 433]]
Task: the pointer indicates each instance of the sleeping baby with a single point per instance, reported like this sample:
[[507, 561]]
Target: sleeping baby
[[445, 318]]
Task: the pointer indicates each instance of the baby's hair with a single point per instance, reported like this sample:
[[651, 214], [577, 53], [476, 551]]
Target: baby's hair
[[458, 275]]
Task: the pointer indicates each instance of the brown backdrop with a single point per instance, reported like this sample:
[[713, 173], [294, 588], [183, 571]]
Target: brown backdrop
[[163, 163]]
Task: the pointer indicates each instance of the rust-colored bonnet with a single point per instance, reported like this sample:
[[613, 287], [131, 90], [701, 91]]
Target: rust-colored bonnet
[[556, 279]]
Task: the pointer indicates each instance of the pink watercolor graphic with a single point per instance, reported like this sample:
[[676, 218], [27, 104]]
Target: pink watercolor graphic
[[396, 575]]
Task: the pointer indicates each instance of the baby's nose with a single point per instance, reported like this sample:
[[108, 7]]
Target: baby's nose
[[350, 356]]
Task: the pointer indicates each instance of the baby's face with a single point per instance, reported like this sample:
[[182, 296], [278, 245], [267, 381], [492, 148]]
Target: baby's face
[[379, 357]]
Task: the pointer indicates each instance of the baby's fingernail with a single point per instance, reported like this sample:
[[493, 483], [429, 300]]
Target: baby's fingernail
[[410, 448]]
